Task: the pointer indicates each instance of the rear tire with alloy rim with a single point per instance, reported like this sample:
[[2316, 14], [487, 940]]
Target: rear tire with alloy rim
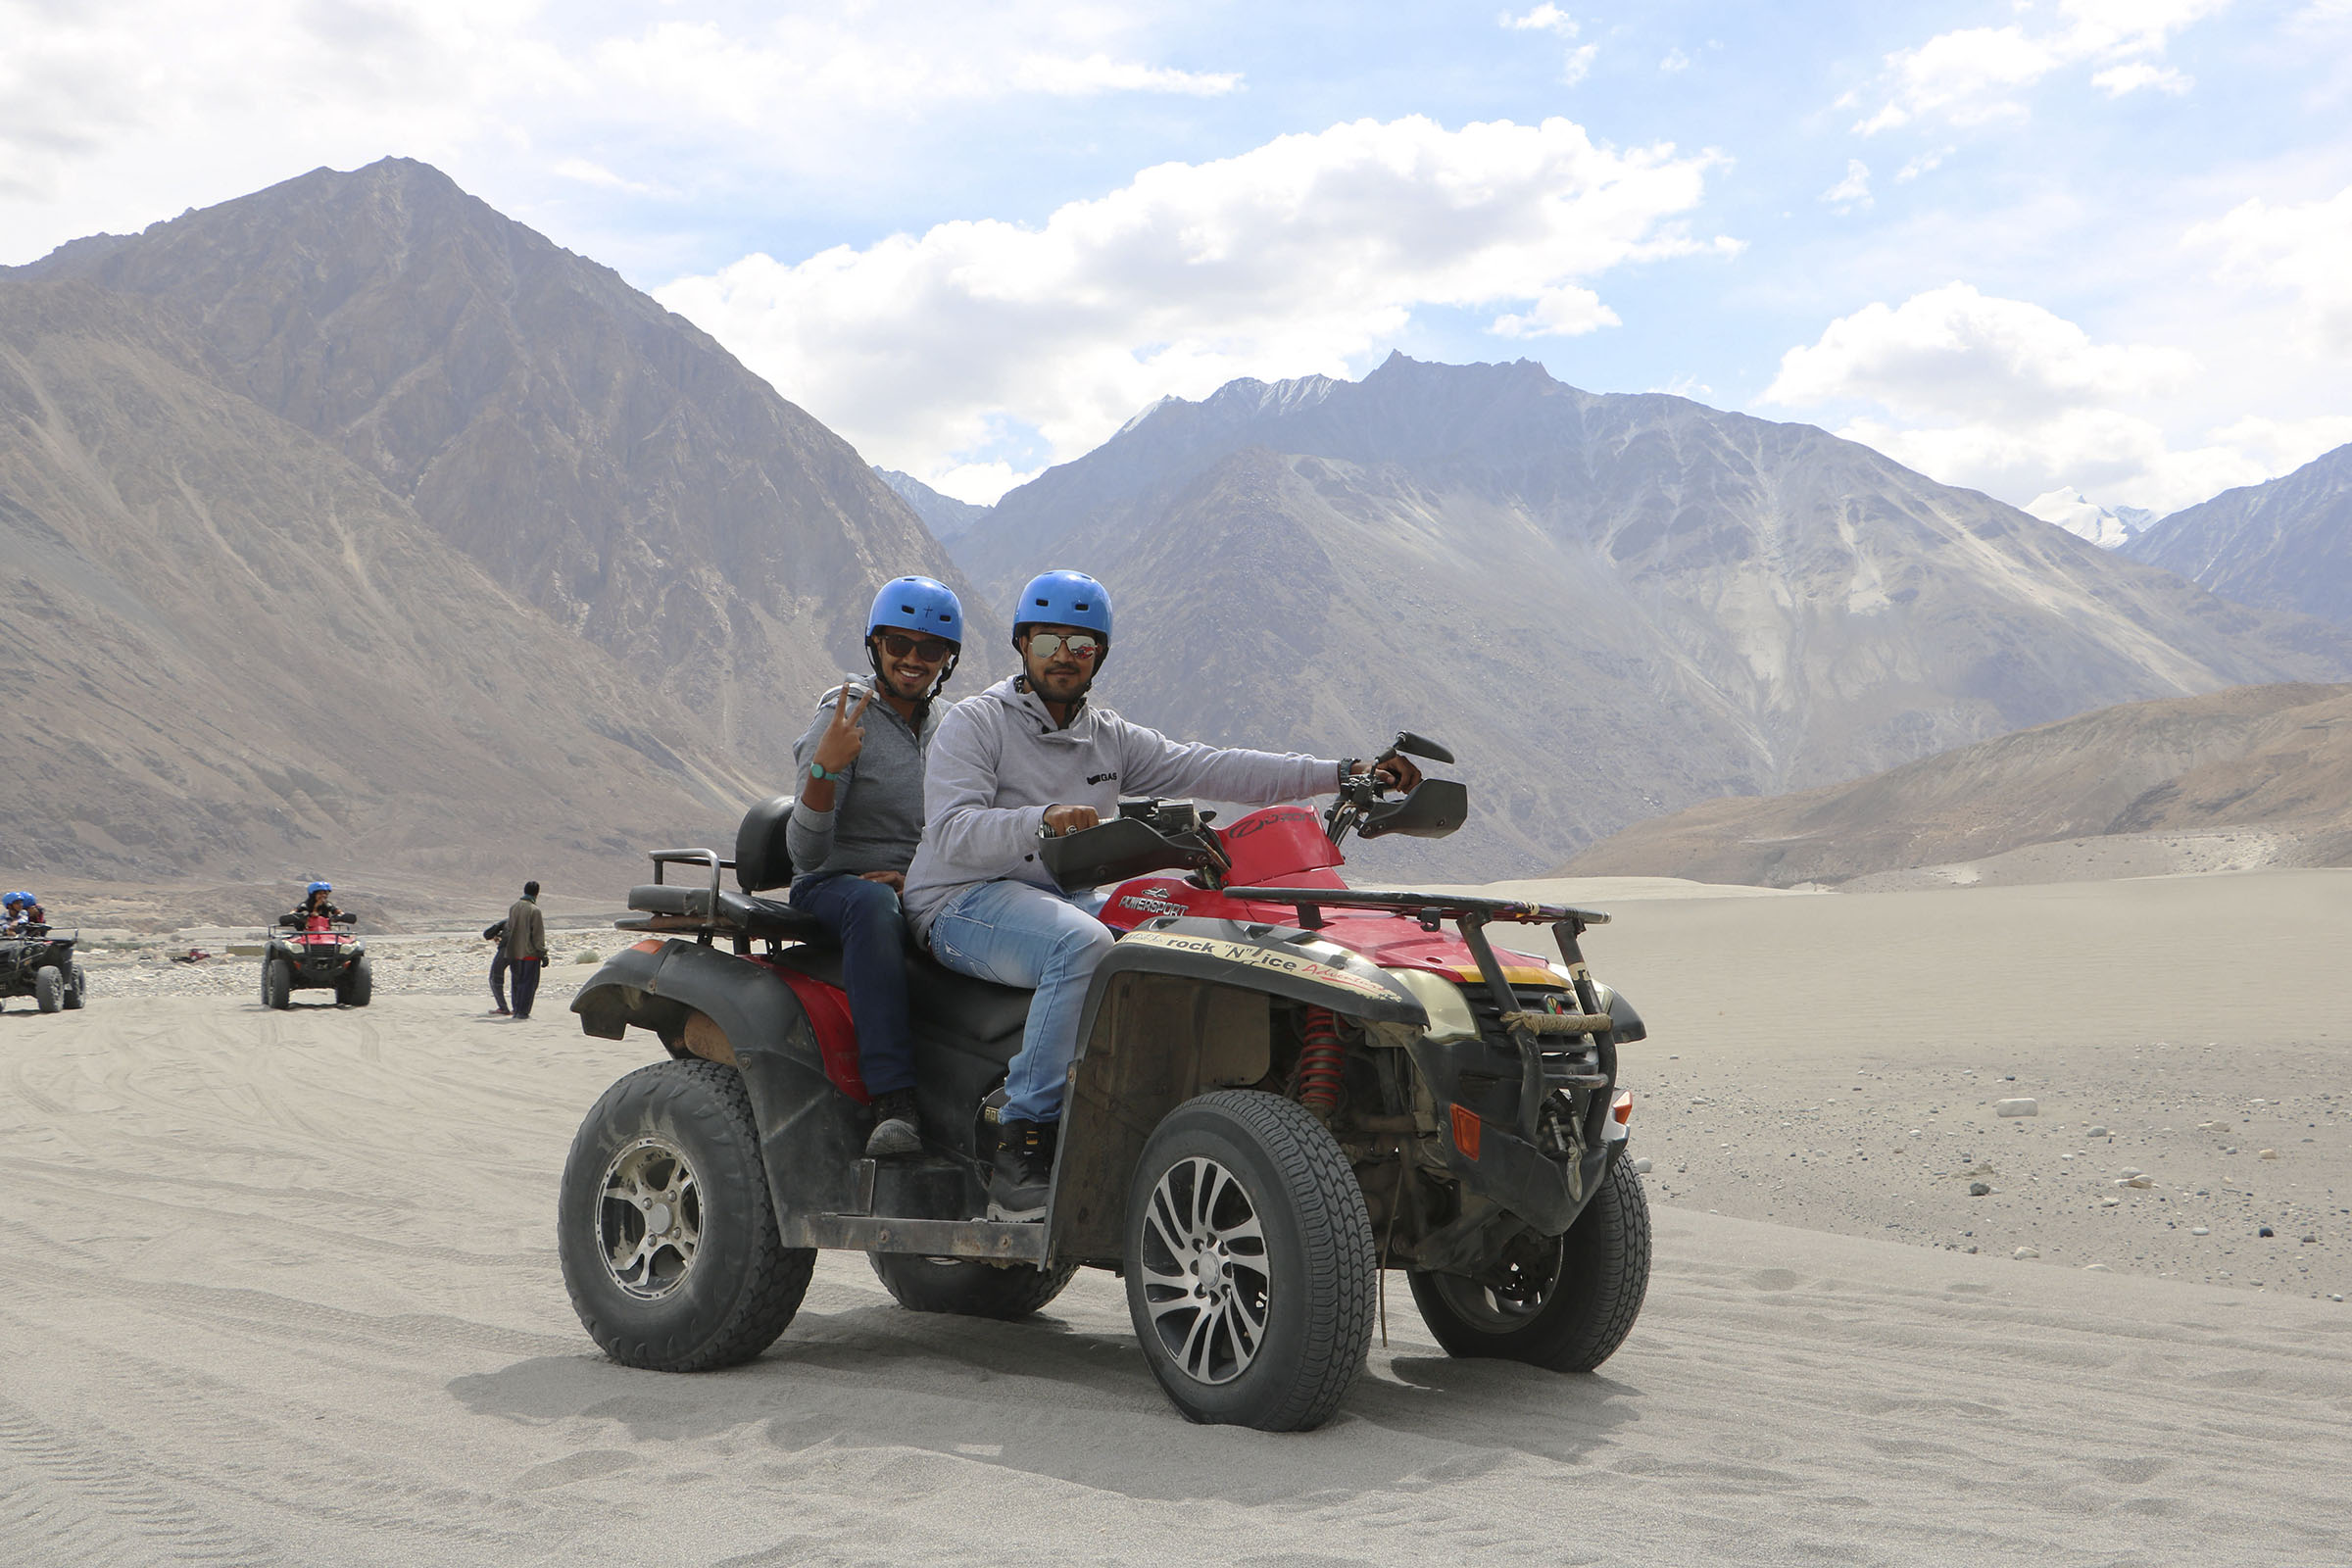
[[1250, 1270], [1566, 1304], [967, 1287], [48, 988], [665, 1227]]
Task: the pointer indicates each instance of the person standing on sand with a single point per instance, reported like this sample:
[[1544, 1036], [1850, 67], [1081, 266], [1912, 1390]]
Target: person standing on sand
[[495, 931], [525, 946]]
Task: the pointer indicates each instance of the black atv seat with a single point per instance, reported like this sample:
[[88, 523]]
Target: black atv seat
[[746, 914], [944, 1009]]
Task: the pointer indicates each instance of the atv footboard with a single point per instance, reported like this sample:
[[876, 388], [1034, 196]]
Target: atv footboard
[[711, 1004]]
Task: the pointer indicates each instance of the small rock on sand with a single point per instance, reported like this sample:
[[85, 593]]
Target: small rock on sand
[[2096, 1132], [1979, 1189], [2267, 1153], [1642, 1164], [2200, 1230], [2027, 1251], [2017, 1108], [2096, 1268]]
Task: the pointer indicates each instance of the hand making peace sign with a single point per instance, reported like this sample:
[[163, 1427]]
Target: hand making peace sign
[[845, 736]]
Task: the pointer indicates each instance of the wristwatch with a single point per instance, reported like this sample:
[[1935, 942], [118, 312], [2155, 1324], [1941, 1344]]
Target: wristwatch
[[816, 770]]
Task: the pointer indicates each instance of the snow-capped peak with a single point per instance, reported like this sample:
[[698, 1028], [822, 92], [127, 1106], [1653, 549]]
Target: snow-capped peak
[[2104, 527]]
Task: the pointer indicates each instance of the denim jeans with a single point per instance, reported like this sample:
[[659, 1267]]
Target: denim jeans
[[498, 978], [865, 918], [1020, 935]]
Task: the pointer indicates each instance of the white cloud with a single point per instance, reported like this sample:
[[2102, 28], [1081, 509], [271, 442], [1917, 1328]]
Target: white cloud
[[1291, 258], [2303, 250], [1547, 18], [1578, 65], [2004, 396], [1973, 76], [114, 113], [1924, 164], [1853, 190], [1675, 60]]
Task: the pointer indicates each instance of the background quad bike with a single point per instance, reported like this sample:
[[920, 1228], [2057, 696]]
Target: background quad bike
[[1251, 1259], [44, 968], [284, 971]]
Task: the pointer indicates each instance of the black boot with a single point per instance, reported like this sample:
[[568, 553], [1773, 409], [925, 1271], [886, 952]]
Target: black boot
[[896, 1132], [1025, 1176]]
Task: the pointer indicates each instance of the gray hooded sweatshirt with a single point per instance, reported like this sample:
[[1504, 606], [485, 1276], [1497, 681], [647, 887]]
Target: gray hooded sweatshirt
[[878, 806], [999, 762]]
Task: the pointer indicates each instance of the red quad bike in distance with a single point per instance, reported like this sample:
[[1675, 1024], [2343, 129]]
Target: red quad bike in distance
[[310, 953], [1284, 1087]]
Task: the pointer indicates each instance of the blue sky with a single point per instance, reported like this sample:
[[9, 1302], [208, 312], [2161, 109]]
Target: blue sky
[[2024, 247]]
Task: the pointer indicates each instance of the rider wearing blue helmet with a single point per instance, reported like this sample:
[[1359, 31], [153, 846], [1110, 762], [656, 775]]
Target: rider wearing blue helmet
[[1029, 759], [855, 825], [313, 902]]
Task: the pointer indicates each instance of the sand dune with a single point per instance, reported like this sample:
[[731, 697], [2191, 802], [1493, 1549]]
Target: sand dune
[[286, 1293]]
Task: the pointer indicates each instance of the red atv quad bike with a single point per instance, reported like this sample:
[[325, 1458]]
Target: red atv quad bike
[[311, 952], [1284, 1085]]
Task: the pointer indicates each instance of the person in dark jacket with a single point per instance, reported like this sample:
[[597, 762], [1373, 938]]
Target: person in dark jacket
[[855, 826], [314, 906], [495, 931], [525, 943]]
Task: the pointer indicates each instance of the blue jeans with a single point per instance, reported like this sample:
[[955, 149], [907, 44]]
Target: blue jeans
[[865, 918], [1020, 935]]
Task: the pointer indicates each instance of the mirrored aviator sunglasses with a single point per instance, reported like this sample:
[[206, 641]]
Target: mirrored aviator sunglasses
[[930, 650], [1080, 646]]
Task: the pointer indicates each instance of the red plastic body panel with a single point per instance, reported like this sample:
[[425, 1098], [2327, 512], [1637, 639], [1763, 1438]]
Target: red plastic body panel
[[828, 1012], [319, 932], [1283, 846]]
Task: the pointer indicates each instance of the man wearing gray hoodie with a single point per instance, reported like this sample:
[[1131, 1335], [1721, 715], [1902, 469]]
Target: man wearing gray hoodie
[[1025, 760]]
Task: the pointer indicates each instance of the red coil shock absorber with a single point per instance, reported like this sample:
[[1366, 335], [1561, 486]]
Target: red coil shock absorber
[[1319, 1059]]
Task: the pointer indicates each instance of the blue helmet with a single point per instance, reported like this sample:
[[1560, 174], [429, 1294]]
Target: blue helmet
[[318, 887], [10, 900], [1062, 599], [919, 604]]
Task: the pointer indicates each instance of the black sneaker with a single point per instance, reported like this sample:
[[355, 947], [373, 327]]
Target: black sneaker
[[1025, 1175], [895, 1132]]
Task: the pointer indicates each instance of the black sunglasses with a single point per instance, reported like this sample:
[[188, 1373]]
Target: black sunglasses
[[930, 650]]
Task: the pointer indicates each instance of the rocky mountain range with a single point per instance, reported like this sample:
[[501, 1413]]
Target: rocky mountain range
[[2285, 543], [1611, 606], [2271, 758], [600, 457], [229, 649], [945, 515]]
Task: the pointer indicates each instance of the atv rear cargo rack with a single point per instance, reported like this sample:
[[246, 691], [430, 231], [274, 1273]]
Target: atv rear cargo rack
[[679, 909]]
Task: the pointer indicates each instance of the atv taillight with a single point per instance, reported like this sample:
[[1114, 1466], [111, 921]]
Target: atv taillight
[[1622, 1107]]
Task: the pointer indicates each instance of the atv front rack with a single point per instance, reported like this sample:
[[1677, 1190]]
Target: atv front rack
[[1525, 1030]]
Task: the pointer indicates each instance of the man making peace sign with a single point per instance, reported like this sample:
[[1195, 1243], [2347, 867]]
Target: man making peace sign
[[856, 823]]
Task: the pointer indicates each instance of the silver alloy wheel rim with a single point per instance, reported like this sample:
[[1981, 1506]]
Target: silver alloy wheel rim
[[1503, 1309], [1206, 1285], [650, 1218]]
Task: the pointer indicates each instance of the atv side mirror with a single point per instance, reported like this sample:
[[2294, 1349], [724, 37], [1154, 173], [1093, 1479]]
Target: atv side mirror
[[1430, 809], [761, 859], [1412, 745]]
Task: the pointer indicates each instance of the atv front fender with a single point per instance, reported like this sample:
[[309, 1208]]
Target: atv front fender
[[809, 1132], [1179, 1007]]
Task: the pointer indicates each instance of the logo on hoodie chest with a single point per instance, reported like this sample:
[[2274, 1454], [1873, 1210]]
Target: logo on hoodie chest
[[1101, 778]]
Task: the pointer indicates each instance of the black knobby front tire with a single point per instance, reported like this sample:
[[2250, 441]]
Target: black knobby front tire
[[277, 984], [742, 1286], [48, 988], [1312, 1283], [967, 1287], [77, 989], [1587, 1310], [359, 985]]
